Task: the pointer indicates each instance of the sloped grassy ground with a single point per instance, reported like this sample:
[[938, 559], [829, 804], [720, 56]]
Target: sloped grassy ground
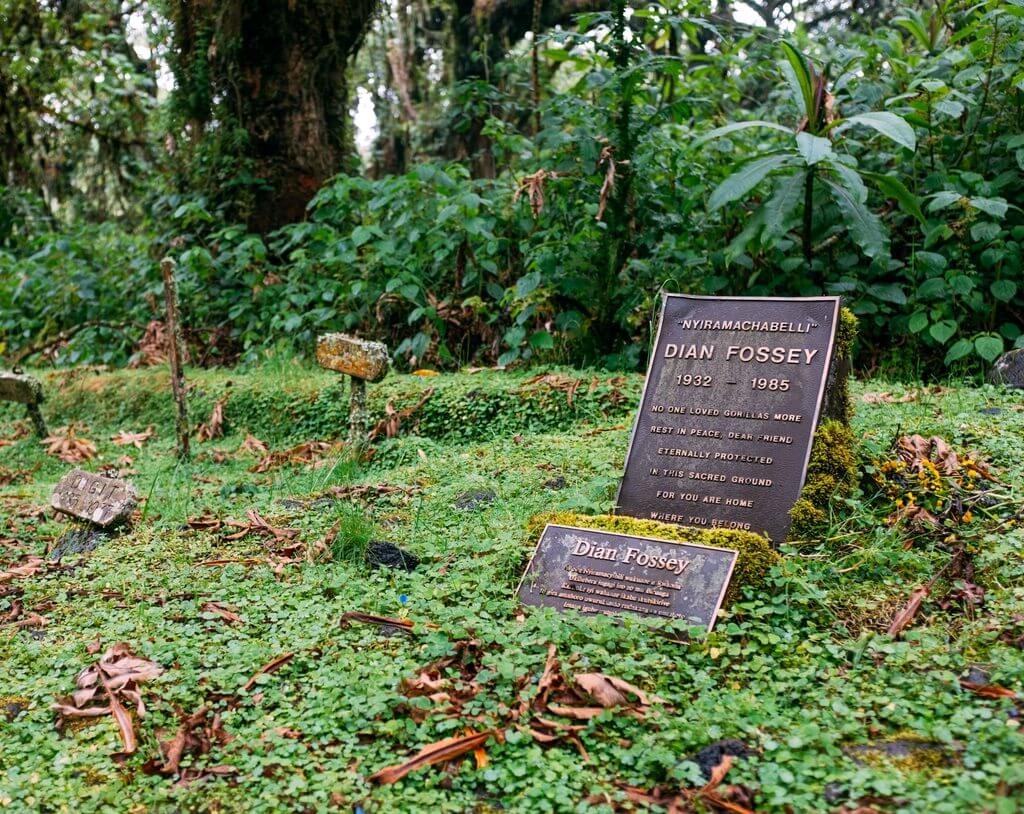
[[802, 672]]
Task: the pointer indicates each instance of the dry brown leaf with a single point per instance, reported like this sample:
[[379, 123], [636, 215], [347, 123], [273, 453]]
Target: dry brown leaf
[[68, 446], [384, 621], [221, 611], [254, 445], [987, 690], [269, 667], [137, 439], [213, 427], [390, 425], [610, 691], [906, 616], [439, 752], [29, 566], [576, 713]]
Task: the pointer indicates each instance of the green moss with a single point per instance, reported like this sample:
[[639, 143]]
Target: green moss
[[756, 555], [831, 473]]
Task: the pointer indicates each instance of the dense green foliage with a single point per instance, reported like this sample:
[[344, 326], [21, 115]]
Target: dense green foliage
[[651, 150], [802, 671]]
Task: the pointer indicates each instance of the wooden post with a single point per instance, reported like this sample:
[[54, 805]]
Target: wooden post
[[174, 354], [357, 439]]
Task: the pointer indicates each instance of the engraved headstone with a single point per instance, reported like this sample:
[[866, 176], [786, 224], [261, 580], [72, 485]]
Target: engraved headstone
[[594, 571], [102, 501], [24, 389], [727, 417], [1008, 369], [364, 361]]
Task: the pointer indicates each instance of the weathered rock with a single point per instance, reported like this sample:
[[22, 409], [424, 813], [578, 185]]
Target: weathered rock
[[1009, 369], [555, 484], [382, 554], [102, 501], [474, 499], [360, 358], [711, 755], [24, 389], [904, 753]]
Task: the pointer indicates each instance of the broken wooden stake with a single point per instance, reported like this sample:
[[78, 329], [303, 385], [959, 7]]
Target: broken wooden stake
[[174, 354], [363, 361]]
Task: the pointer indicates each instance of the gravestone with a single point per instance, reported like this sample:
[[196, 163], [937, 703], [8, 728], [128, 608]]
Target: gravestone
[[363, 361], [594, 571], [102, 501], [727, 417], [1008, 369], [24, 389]]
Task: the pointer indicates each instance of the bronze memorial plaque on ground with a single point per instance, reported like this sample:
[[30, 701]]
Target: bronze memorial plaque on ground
[[593, 571], [728, 413]]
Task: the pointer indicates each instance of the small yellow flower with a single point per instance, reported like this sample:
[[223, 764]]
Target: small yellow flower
[[968, 517]]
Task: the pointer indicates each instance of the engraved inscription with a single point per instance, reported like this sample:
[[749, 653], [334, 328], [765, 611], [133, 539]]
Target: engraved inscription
[[593, 571], [103, 501], [725, 425]]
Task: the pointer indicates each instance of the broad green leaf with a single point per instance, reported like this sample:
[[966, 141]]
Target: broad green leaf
[[1004, 290], [789, 191], [932, 288], [813, 148], [850, 178], [864, 226], [794, 68], [918, 322], [951, 107], [944, 199], [745, 179], [718, 132], [988, 346], [361, 235], [888, 124], [893, 187], [959, 350], [942, 331], [888, 292], [996, 207]]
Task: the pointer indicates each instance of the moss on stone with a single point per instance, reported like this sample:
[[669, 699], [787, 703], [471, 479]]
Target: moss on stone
[[756, 555], [832, 469]]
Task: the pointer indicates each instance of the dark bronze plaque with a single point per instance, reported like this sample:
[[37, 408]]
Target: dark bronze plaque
[[593, 571], [728, 412]]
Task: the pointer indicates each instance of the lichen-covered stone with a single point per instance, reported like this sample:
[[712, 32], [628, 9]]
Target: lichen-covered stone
[[102, 501], [756, 555], [1009, 369], [20, 387], [357, 357]]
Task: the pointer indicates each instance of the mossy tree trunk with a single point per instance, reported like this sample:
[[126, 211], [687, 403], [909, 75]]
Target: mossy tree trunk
[[276, 71]]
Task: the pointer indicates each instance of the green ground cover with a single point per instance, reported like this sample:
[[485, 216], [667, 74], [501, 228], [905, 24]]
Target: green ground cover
[[801, 671]]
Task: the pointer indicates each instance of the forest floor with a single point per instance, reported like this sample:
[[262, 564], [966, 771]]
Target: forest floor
[[266, 701]]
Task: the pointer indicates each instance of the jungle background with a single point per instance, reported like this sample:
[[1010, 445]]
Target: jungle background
[[506, 181]]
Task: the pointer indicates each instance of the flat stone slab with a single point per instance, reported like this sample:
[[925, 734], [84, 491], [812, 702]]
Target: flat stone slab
[[20, 387], [357, 357], [1009, 369], [102, 501]]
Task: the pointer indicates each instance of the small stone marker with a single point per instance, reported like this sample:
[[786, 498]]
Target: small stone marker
[[102, 501], [1009, 369], [728, 413], [594, 571], [363, 361], [26, 390]]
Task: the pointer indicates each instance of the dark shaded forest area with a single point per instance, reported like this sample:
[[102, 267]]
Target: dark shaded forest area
[[505, 181]]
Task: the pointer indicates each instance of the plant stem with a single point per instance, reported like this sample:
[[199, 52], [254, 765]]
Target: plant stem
[[808, 217]]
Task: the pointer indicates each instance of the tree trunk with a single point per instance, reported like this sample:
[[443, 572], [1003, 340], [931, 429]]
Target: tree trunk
[[277, 70]]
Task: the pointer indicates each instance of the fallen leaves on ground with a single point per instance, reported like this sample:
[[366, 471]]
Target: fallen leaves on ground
[[911, 395], [555, 381], [195, 736], [223, 612], [916, 450], [390, 425], [66, 444], [135, 439], [440, 752], [404, 625], [110, 687], [909, 611], [213, 427], [365, 491], [253, 445], [987, 690], [735, 799], [9, 477], [308, 452], [274, 664], [258, 525], [27, 567]]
